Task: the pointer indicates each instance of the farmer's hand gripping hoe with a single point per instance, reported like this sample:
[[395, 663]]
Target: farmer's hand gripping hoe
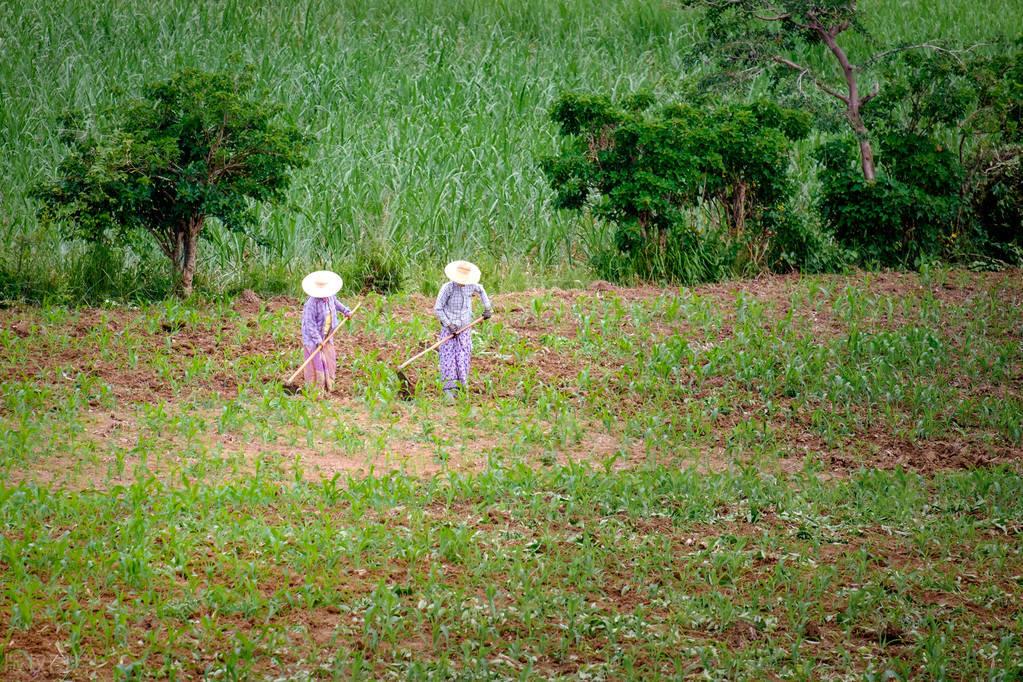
[[408, 387]]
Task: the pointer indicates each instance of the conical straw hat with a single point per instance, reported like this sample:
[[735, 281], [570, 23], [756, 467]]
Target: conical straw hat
[[321, 284], [462, 272]]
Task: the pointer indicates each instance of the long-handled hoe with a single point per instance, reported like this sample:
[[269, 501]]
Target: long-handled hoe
[[291, 385], [408, 386]]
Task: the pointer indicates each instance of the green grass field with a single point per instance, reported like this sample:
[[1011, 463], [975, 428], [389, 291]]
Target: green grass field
[[429, 115], [816, 477], [792, 478]]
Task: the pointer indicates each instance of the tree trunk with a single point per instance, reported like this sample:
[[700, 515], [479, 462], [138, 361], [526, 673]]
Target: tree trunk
[[867, 159], [853, 101], [185, 251], [863, 136], [178, 257], [738, 210], [191, 238]]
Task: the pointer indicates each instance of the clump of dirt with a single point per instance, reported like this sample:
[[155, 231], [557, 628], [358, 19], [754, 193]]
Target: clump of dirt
[[248, 302], [39, 654], [924, 457], [740, 634]]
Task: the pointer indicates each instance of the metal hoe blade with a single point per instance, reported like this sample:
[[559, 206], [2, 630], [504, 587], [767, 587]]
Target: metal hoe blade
[[406, 387]]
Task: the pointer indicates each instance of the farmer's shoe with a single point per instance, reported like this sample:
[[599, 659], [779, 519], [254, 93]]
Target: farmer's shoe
[[449, 396]]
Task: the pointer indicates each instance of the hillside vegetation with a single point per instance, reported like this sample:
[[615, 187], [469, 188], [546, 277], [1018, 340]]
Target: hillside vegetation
[[429, 118]]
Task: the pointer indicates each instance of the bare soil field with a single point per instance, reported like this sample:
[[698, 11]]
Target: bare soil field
[[793, 477]]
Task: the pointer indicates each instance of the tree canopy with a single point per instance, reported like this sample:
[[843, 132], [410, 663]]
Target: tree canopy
[[748, 37], [646, 168], [194, 147]]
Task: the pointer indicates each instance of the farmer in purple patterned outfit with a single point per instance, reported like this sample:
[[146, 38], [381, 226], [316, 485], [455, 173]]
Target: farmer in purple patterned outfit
[[319, 316], [454, 310]]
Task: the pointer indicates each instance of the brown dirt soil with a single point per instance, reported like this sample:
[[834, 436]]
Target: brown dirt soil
[[34, 654], [51, 362]]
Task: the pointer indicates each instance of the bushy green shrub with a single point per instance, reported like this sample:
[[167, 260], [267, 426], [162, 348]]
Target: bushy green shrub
[[798, 243], [655, 173], [995, 168], [101, 271], [267, 279], [91, 273], [906, 216], [375, 267], [686, 257], [32, 284], [950, 132], [998, 199]]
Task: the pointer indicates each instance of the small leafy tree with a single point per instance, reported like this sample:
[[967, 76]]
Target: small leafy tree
[[647, 169], [749, 37], [195, 147], [949, 133]]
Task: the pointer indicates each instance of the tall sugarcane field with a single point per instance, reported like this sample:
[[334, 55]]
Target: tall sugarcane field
[[511, 340]]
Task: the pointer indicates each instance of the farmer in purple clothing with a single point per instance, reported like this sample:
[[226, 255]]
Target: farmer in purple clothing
[[454, 310], [319, 316]]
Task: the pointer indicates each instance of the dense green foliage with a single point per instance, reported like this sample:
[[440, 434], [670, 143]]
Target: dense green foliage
[[994, 181], [906, 101], [196, 147], [998, 199], [660, 174], [428, 117], [901, 218], [949, 130]]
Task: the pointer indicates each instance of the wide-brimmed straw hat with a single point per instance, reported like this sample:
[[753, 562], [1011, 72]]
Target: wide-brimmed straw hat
[[322, 283], [462, 272]]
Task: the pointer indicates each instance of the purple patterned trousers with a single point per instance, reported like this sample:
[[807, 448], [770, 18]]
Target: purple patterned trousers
[[455, 357], [323, 369]]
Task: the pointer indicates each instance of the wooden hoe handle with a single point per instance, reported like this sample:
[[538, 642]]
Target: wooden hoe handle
[[434, 346]]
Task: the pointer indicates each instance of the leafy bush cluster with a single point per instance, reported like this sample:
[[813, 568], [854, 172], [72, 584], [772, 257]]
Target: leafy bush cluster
[[698, 192], [692, 191], [906, 214], [949, 180]]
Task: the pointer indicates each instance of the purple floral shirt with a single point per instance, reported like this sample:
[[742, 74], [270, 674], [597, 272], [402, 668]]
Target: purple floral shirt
[[454, 303], [315, 315]]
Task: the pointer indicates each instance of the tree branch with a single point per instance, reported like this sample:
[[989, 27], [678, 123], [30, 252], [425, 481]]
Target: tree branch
[[781, 15], [923, 46], [838, 28], [804, 71], [874, 92], [847, 68], [163, 240]]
